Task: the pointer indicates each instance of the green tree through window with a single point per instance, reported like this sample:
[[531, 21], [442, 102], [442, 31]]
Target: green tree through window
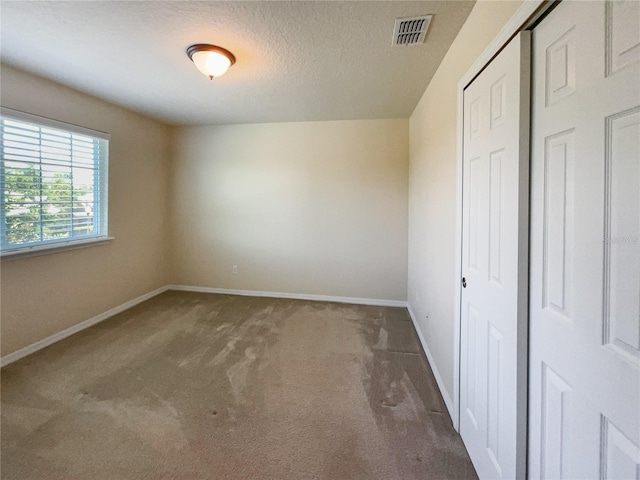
[[39, 208]]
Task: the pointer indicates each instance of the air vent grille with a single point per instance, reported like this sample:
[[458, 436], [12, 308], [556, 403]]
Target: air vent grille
[[411, 31]]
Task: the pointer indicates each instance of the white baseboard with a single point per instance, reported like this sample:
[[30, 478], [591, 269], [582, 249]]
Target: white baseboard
[[45, 342], [294, 296], [434, 368]]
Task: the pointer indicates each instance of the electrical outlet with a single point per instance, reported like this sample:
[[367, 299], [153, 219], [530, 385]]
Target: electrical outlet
[[235, 269]]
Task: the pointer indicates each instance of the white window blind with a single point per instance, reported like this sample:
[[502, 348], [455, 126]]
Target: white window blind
[[53, 183]]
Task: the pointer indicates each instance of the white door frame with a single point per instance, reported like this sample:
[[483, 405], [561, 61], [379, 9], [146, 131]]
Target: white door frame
[[522, 18]]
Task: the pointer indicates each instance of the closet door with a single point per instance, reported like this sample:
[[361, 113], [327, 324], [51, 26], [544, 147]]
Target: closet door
[[494, 264], [585, 243]]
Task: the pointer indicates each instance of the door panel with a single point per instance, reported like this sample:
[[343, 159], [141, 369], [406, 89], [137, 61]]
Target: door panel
[[495, 215], [622, 223], [585, 243]]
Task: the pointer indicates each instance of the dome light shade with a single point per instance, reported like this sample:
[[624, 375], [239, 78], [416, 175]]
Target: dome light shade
[[211, 60]]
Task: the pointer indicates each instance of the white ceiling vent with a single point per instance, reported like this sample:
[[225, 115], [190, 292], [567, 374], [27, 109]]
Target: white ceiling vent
[[411, 31]]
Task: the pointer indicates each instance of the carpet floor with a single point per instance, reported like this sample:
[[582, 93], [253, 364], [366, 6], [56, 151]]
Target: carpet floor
[[203, 386]]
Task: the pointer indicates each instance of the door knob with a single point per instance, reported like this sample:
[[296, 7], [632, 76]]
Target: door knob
[[464, 282]]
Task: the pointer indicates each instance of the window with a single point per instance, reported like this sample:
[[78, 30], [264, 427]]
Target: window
[[53, 183]]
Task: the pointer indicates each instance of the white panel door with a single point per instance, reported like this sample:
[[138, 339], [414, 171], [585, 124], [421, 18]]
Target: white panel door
[[494, 264], [585, 243]]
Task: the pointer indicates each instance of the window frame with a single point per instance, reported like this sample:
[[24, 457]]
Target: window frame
[[43, 247]]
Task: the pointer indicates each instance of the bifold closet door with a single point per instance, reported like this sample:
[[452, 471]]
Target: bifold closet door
[[585, 243], [494, 264]]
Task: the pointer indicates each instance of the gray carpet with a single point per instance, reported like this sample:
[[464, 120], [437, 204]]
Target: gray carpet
[[201, 386]]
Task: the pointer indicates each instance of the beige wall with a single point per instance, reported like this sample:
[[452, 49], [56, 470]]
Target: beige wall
[[432, 185], [43, 295], [312, 207]]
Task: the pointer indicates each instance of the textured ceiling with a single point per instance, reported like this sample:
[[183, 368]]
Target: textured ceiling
[[296, 61]]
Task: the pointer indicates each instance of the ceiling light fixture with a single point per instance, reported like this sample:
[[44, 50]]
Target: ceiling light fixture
[[211, 60]]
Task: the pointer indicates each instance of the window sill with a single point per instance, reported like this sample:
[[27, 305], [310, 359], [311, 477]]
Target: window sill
[[39, 250]]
